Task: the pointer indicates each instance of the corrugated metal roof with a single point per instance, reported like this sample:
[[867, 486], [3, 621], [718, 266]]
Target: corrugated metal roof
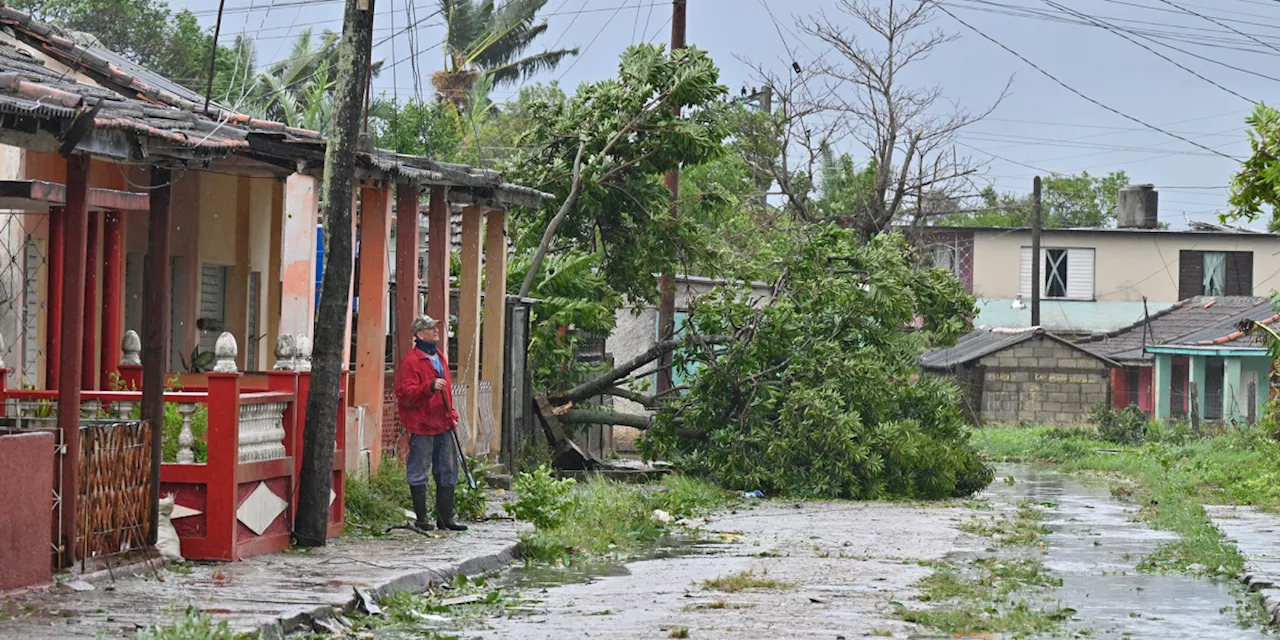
[[1187, 318], [984, 342]]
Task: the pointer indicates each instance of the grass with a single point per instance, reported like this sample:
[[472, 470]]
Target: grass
[[1024, 527], [744, 581], [192, 625], [607, 518], [679, 633], [426, 615], [979, 598], [717, 606], [380, 501], [1173, 474]]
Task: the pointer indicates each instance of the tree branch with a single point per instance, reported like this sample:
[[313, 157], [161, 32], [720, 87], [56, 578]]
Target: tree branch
[[549, 235], [601, 384]]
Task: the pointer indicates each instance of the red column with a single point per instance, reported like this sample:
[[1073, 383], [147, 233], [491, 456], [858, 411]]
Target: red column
[[224, 454], [112, 263], [53, 315], [406, 266], [89, 354], [1119, 388], [73, 270], [438, 259]]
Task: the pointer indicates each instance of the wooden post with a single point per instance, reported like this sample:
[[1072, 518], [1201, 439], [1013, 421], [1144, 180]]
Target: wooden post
[[237, 292], [1036, 282], [406, 266], [438, 259], [89, 315], [469, 321], [156, 301], [69, 373], [495, 317], [1192, 389], [112, 274], [53, 316], [272, 285], [1252, 397], [371, 327]]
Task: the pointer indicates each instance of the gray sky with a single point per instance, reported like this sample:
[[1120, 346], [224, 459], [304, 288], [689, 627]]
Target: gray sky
[[1041, 126]]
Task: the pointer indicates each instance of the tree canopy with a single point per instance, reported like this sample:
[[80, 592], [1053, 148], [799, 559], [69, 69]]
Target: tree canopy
[[1081, 200]]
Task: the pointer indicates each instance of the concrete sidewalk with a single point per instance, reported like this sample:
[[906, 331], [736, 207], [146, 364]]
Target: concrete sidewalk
[[276, 594]]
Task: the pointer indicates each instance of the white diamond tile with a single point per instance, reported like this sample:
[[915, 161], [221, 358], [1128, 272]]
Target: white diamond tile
[[260, 509], [180, 511], [332, 496]]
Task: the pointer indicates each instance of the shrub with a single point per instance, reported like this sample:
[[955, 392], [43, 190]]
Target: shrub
[[472, 503], [173, 428], [1120, 427], [819, 395], [541, 498], [193, 625]]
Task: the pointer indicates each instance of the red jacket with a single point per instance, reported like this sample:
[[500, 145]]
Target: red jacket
[[423, 410]]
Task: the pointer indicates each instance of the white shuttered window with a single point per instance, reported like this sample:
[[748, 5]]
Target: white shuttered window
[[1065, 273]]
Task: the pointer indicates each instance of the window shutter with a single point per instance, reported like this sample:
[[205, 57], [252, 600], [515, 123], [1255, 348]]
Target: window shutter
[[1239, 273], [213, 300], [1024, 283], [1080, 274], [1191, 274]]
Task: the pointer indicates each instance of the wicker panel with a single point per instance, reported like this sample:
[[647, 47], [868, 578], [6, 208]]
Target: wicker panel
[[484, 435], [113, 509]]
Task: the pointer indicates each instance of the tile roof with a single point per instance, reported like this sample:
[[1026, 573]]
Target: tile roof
[[1201, 318], [984, 342], [142, 116], [1227, 332]]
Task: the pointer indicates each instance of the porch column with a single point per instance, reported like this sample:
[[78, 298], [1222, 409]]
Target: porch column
[[112, 273], [1233, 406], [351, 285], [495, 317], [237, 292], [1162, 385], [469, 320], [69, 374], [157, 307], [53, 315], [371, 327], [89, 347], [298, 255], [1197, 373], [406, 267], [438, 259]]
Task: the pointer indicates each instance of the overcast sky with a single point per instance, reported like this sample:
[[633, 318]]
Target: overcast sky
[[1040, 127]]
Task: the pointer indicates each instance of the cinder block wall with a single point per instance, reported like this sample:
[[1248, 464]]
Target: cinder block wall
[[1042, 381]]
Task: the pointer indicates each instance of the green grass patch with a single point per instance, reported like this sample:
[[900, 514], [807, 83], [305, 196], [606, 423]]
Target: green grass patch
[[375, 503], [1024, 527], [435, 614], [986, 596], [606, 518], [193, 625], [1174, 473], [744, 581]]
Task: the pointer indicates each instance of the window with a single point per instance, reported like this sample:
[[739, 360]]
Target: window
[[1065, 273], [213, 302], [680, 373], [1215, 273], [943, 257]]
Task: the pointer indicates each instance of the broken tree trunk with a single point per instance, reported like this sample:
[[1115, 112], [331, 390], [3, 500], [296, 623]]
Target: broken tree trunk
[[603, 383]]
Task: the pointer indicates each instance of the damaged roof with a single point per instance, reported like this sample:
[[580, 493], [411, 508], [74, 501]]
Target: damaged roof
[[53, 81], [984, 342], [1195, 319]]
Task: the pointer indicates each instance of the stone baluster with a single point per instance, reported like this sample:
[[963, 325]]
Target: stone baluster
[[286, 353], [131, 349], [124, 410], [304, 352], [262, 433], [186, 439], [224, 352]]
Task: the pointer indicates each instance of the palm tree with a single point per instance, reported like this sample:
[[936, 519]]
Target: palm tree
[[298, 90], [484, 40]]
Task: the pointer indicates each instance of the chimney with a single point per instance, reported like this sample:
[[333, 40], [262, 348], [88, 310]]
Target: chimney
[[1137, 207]]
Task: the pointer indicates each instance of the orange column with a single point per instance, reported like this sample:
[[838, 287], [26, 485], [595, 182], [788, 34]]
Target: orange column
[[406, 266], [371, 328], [438, 259]]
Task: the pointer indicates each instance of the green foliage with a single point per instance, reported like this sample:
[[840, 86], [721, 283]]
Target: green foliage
[[200, 362], [607, 518], [542, 499], [1078, 200], [1257, 184], [819, 395], [193, 625], [989, 596], [173, 428], [1128, 426], [573, 294], [380, 500], [622, 213], [419, 128], [472, 504]]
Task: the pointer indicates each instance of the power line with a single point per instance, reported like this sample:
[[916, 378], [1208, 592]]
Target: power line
[[1077, 92], [593, 41], [1220, 24]]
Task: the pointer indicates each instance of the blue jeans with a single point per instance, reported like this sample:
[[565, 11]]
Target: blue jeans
[[433, 454]]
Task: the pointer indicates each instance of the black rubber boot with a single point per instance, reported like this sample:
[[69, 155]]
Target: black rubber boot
[[419, 493], [444, 510]]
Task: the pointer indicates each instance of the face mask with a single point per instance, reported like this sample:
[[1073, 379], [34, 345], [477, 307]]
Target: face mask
[[428, 348]]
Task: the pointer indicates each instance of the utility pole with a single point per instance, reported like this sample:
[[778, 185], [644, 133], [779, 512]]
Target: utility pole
[[1035, 253], [666, 284], [312, 522]]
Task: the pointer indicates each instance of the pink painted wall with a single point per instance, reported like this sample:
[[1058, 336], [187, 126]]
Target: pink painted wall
[[26, 464]]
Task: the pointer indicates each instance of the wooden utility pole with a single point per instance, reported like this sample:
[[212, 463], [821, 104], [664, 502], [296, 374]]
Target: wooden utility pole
[[666, 284], [312, 522], [1035, 253]]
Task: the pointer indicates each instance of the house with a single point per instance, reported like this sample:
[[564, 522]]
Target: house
[[1100, 280], [1023, 375], [1194, 344], [131, 206]]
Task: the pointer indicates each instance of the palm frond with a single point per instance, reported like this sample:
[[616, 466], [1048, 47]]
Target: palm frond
[[510, 46], [526, 67]]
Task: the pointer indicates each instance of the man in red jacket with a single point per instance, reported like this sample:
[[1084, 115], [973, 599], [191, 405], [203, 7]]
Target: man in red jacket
[[424, 393]]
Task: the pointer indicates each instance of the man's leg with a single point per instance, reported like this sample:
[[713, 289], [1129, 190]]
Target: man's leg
[[446, 474], [417, 470]]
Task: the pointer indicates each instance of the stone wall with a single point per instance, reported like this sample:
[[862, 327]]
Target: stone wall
[[1042, 381]]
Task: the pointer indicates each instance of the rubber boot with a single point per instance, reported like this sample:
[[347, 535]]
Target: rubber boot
[[444, 510], [419, 493]]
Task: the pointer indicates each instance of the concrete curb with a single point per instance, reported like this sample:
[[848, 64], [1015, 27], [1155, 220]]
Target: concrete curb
[[1254, 582], [414, 581]]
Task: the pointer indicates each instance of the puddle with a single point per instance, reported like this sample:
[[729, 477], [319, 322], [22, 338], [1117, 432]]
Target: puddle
[[541, 576], [1095, 547]]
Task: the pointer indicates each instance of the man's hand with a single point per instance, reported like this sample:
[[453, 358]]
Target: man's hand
[[438, 384]]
